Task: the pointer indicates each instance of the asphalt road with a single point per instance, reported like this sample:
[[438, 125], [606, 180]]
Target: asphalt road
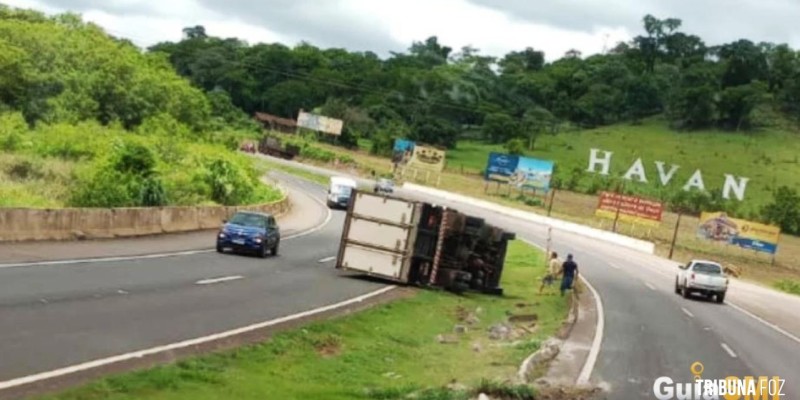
[[652, 332], [56, 316]]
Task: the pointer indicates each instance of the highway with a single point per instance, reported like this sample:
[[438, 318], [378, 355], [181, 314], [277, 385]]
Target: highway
[[652, 332], [56, 316]]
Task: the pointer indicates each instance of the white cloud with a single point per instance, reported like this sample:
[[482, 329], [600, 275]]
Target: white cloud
[[494, 26], [459, 23]]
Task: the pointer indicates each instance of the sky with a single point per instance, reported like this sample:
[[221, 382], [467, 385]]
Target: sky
[[495, 27]]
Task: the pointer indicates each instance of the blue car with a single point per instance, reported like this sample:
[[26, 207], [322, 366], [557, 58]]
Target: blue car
[[250, 232]]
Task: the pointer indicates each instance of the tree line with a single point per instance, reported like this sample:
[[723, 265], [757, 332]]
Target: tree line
[[435, 94]]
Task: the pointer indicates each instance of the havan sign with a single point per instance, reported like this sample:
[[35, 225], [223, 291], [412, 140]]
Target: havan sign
[[735, 185]]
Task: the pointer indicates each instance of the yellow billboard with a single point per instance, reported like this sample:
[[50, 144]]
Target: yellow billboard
[[426, 158], [719, 227]]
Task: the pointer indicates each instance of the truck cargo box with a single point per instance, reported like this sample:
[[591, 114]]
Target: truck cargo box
[[419, 243]]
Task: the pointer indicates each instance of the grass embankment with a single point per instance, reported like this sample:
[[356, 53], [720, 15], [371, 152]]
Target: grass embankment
[[385, 352], [766, 157], [90, 165]]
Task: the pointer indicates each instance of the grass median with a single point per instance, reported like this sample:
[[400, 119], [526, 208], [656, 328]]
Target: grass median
[[385, 352]]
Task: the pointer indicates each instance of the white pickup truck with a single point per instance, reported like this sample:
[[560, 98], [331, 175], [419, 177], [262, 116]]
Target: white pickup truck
[[705, 277]]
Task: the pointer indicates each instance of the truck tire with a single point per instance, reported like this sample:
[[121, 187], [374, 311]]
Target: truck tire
[[720, 297], [677, 288], [274, 250], [263, 251]]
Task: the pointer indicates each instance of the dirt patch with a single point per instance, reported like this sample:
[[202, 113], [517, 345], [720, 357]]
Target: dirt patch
[[329, 346], [461, 314], [567, 393], [523, 318]]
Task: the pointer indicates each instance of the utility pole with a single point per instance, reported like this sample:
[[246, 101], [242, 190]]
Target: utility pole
[[675, 235]]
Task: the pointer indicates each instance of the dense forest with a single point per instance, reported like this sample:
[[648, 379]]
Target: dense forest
[[435, 94]]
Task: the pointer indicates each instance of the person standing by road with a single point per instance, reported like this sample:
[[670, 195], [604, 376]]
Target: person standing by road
[[553, 270], [569, 273]]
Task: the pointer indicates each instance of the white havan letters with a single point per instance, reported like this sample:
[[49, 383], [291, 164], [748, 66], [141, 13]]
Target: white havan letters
[[600, 163]]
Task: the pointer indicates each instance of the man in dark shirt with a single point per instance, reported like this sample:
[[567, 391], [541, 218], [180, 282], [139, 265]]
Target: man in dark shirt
[[569, 273]]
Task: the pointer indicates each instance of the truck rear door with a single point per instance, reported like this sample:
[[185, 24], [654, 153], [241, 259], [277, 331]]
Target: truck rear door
[[378, 236]]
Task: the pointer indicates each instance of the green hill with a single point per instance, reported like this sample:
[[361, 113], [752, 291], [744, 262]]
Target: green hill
[[89, 120], [769, 158]]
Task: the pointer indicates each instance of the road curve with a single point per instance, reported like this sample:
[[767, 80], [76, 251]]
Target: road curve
[[53, 316], [650, 331]]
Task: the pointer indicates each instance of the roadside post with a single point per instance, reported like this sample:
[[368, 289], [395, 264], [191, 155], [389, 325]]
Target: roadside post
[[675, 235]]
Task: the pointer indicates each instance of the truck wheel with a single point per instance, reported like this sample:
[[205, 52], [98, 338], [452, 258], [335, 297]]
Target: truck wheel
[[263, 251], [274, 250], [220, 249], [720, 297], [677, 288]]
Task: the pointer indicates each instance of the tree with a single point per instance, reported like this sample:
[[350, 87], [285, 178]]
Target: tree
[[784, 210], [736, 105], [516, 62], [536, 121], [195, 32], [500, 127]]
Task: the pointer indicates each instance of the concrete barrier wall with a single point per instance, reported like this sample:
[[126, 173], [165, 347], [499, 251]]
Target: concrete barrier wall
[[599, 234], [20, 224]]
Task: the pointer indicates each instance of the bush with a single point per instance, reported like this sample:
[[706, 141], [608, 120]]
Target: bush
[[515, 147], [152, 193], [103, 186], [134, 159]]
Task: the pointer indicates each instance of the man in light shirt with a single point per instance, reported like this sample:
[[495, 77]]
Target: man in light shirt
[[553, 271]]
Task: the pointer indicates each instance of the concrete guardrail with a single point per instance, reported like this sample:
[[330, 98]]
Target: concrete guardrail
[[25, 224], [599, 234]]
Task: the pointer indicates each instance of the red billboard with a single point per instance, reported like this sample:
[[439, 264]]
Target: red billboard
[[631, 208]]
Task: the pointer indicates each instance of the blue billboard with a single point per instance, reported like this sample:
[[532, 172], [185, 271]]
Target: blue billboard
[[402, 151], [522, 172]]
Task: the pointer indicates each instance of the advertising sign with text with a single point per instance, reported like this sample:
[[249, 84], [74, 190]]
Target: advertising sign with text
[[631, 209], [719, 227]]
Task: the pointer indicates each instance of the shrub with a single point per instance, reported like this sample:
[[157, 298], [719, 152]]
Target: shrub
[[152, 193], [102, 186]]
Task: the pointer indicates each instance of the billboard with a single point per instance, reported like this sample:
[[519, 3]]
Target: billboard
[[522, 172], [631, 209], [319, 123], [424, 158], [738, 232], [402, 150]]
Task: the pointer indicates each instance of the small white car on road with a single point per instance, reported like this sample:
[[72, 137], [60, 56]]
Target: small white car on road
[[704, 277]]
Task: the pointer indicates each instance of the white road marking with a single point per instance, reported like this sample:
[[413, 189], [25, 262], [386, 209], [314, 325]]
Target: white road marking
[[327, 259], [594, 352], [328, 217], [765, 322], [728, 350], [687, 312], [186, 343], [588, 367], [650, 286], [219, 280]]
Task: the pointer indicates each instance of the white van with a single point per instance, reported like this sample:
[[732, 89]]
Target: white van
[[339, 191]]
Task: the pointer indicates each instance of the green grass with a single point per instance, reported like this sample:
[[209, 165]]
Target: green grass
[[789, 286], [768, 158], [383, 353]]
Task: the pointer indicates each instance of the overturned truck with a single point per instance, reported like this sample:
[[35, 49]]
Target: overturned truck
[[423, 244]]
